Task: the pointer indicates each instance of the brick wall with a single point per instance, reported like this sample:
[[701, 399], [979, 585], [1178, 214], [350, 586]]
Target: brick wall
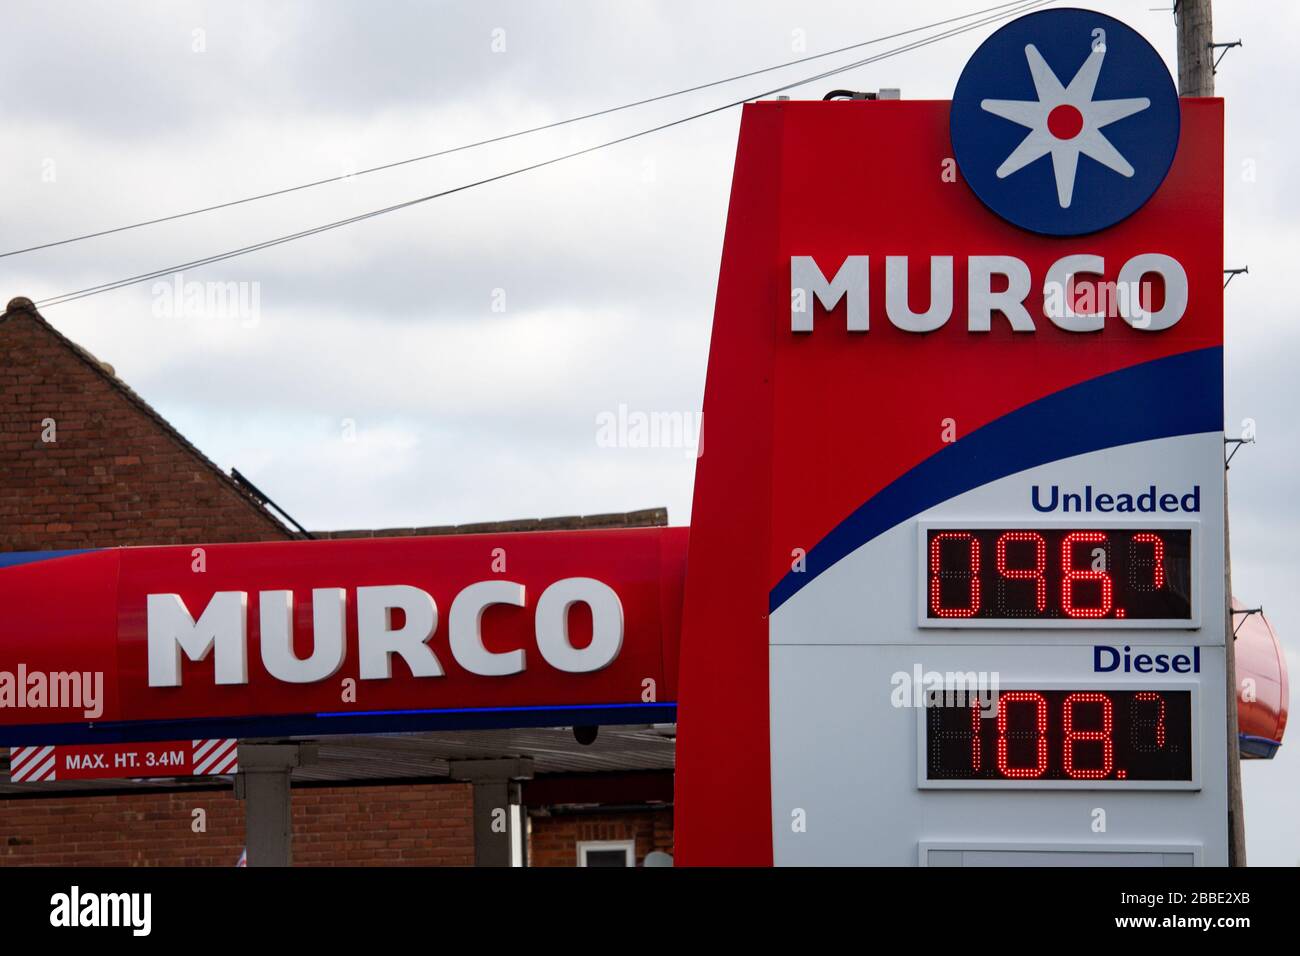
[[122, 830], [553, 840], [424, 825], [410, 824], [115, 474]]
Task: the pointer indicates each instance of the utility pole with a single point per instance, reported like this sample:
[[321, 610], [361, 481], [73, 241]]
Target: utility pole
[[1195, 22], [1195, 51], [1236, 810]]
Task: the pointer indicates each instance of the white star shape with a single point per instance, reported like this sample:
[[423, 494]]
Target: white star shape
[[1065, 151]]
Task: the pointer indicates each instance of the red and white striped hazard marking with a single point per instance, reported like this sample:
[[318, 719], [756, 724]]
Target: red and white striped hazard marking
[[31, 764], [169, 758], [214, 757]]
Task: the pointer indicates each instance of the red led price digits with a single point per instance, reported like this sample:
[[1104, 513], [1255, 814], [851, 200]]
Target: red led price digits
[[1080, 736], [1105, 735], [1093, 576], [1040, 733], [1035, 573], [937, 574], [1072, 575], [1157, 564], [1158, 725]]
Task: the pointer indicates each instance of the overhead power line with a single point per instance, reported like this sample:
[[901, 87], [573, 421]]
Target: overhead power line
[[501, 138], [339, 223]]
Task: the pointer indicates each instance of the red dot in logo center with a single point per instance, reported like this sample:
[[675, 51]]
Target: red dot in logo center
[[1064, 122]]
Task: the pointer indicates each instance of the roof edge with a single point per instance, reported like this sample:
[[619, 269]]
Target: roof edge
[[644, 518], [23, 306]]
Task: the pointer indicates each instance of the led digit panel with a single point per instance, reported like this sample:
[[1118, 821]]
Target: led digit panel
[[1058, 574], [1063, 735]]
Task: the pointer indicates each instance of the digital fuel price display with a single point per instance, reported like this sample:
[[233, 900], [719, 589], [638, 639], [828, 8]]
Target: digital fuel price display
[[1084, 736], [1057, 575]]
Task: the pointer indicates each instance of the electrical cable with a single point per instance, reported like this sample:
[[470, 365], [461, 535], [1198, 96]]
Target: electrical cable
[[325, 227], [494, 139]]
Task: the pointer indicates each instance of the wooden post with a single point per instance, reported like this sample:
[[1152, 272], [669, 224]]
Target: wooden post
[[1236, 809], [1195, 21], [1195, 57]]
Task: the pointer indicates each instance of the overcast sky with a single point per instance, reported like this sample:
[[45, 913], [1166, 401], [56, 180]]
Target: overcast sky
[[447, 363]]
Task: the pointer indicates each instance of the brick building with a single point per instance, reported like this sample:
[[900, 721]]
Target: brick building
[[85, 462]]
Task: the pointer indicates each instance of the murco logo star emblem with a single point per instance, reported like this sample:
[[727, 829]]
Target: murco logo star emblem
[[1065, 158]]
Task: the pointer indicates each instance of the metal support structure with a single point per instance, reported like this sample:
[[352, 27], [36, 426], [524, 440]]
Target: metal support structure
[[1225, 47], [496, 792], [1236, 443], [1233, 273], [263, 784], [266, 502], [1245, 614], [885, 93]]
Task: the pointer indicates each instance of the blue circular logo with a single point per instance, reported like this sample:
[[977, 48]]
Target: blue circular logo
[[1065, 122]]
